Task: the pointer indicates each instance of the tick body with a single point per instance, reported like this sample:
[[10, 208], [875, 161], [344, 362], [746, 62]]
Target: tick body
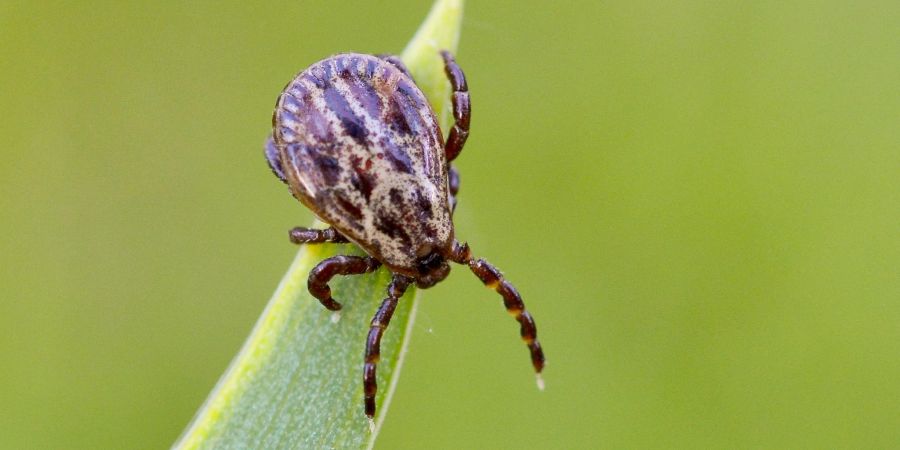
[[357, 142]]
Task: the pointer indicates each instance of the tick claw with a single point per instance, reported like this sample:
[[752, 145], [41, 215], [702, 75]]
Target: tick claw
[[336, 317], [371, 424], [540, 381]]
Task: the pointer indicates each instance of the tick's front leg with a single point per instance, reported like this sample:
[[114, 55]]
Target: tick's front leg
[[373, 342], [337, 265]]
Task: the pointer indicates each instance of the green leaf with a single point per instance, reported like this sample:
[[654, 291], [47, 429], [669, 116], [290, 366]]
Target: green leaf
[[297, 381]]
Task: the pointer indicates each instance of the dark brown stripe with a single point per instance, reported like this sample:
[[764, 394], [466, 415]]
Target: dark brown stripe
[[395, 118], [389, 226], [364, 182], [423, 206], [353, 125], [325, 165], [354, 211], [397, 156]]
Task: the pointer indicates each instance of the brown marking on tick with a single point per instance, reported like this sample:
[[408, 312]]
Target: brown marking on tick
[[353, 210], [363, 182], [328, 167], [411, 107], [390, 226], [353, 126], [423, 206], [396, 119], [398, 156], [396, 197], [357, 142]]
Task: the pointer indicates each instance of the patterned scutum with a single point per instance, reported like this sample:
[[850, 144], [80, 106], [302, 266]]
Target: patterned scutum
[[361, 147]]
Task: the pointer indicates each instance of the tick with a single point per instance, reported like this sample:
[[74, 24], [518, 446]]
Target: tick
[[356, 142]]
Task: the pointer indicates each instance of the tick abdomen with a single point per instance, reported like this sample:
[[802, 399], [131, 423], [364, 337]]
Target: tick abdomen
[[361, 147]]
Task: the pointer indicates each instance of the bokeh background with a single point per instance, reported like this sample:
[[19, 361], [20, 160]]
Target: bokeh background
[[699, 201]]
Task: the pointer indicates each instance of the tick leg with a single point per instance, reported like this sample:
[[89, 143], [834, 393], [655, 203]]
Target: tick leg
[[453, 177], [462, 109], [379, 323], [337, 265], [492, 278], [396, 62], [300, 235], [274, 159]]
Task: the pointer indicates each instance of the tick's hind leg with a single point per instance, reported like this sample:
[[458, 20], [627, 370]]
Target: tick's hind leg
[[462, 109], [379, 323], [492, 278], [301, 235], [396, 62], [320, 275]]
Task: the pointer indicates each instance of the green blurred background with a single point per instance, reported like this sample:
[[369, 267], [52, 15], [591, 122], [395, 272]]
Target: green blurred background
[[699, 201]]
